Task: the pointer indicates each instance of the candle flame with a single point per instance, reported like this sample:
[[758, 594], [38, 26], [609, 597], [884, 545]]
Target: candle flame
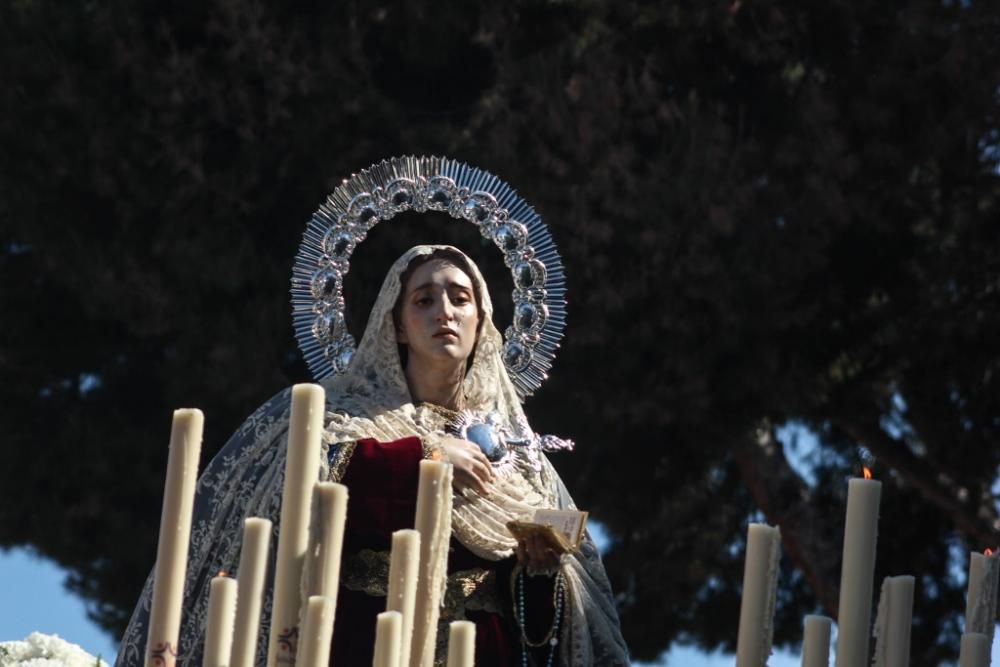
[[867, 472], [222, 573], [987, 551]]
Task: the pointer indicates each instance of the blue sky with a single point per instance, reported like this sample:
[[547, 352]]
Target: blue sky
[[34, 598]]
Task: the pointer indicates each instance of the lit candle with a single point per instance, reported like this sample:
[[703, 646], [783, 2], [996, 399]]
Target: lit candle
[[175, 535], [250, 579], [816, 645], [461, 644], [433, 522], [221, 615], [857, 571], [302, 468], [388, 639], [975, 650], [317, 631], [760, 578], [981, 603], [404, 568], [892, 625], [330, 512]]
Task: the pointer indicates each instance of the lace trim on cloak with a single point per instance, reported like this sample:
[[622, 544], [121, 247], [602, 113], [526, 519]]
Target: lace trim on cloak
[[340, 459]]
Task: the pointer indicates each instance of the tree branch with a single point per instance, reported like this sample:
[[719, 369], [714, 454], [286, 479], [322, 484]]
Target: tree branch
[[785, 500], [978, 522]]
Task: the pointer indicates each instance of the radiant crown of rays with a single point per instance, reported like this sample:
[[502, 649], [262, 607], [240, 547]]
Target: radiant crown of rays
[[437, 184]]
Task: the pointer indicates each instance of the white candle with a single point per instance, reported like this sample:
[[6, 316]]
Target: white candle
[[857, 571], [221, 615], [981, 603], [975, 650], [816, 645], [388, 639], [892, 625], [404, 568], [317, 631], [433, 522], [760, 578], [301, 473], [175, 535], [250, 578], [329, 513], [461, 644]]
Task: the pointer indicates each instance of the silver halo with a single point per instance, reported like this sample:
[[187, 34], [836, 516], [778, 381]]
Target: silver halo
[[421, 184]]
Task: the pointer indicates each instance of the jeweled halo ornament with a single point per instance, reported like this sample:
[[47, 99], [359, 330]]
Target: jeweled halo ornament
[[436, 184]]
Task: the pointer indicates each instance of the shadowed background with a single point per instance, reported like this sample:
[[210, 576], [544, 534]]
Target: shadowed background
[[776, 218]]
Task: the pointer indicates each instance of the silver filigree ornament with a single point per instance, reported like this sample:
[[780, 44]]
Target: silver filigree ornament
[[485, 430], [465, 193], [500, 445]]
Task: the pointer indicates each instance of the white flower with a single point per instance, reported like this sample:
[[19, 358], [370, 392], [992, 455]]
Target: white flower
[[40, 650]]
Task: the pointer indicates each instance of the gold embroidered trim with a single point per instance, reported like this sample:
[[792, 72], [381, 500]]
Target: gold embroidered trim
[[368, 572], [474, 590], [341, 458], [448, 414]]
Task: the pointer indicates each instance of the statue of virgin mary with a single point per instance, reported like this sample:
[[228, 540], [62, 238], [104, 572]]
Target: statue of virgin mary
[[429, 378]]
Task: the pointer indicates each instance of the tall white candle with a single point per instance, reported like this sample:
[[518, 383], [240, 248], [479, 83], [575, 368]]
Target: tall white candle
[[461, 644], [981, 603], [388, 639], [329, 514], [816, 645], [892, 625], [404, 568], [317, 631], [433, 522], [857, 572], [221, 616], [301, 473], [250, 578], [175, 536], [760, 578], [975, 650]]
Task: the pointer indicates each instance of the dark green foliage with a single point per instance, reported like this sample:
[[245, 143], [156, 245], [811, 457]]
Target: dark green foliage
[[768, 210]]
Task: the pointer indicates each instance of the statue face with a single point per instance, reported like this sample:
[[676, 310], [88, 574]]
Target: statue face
[[439, 318]]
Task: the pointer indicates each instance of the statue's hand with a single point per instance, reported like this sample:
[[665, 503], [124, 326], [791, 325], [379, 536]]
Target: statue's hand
[[472, 468], [536, 553]]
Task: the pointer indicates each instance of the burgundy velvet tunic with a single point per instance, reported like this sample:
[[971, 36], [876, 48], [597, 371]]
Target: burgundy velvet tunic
[[382, 480]]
